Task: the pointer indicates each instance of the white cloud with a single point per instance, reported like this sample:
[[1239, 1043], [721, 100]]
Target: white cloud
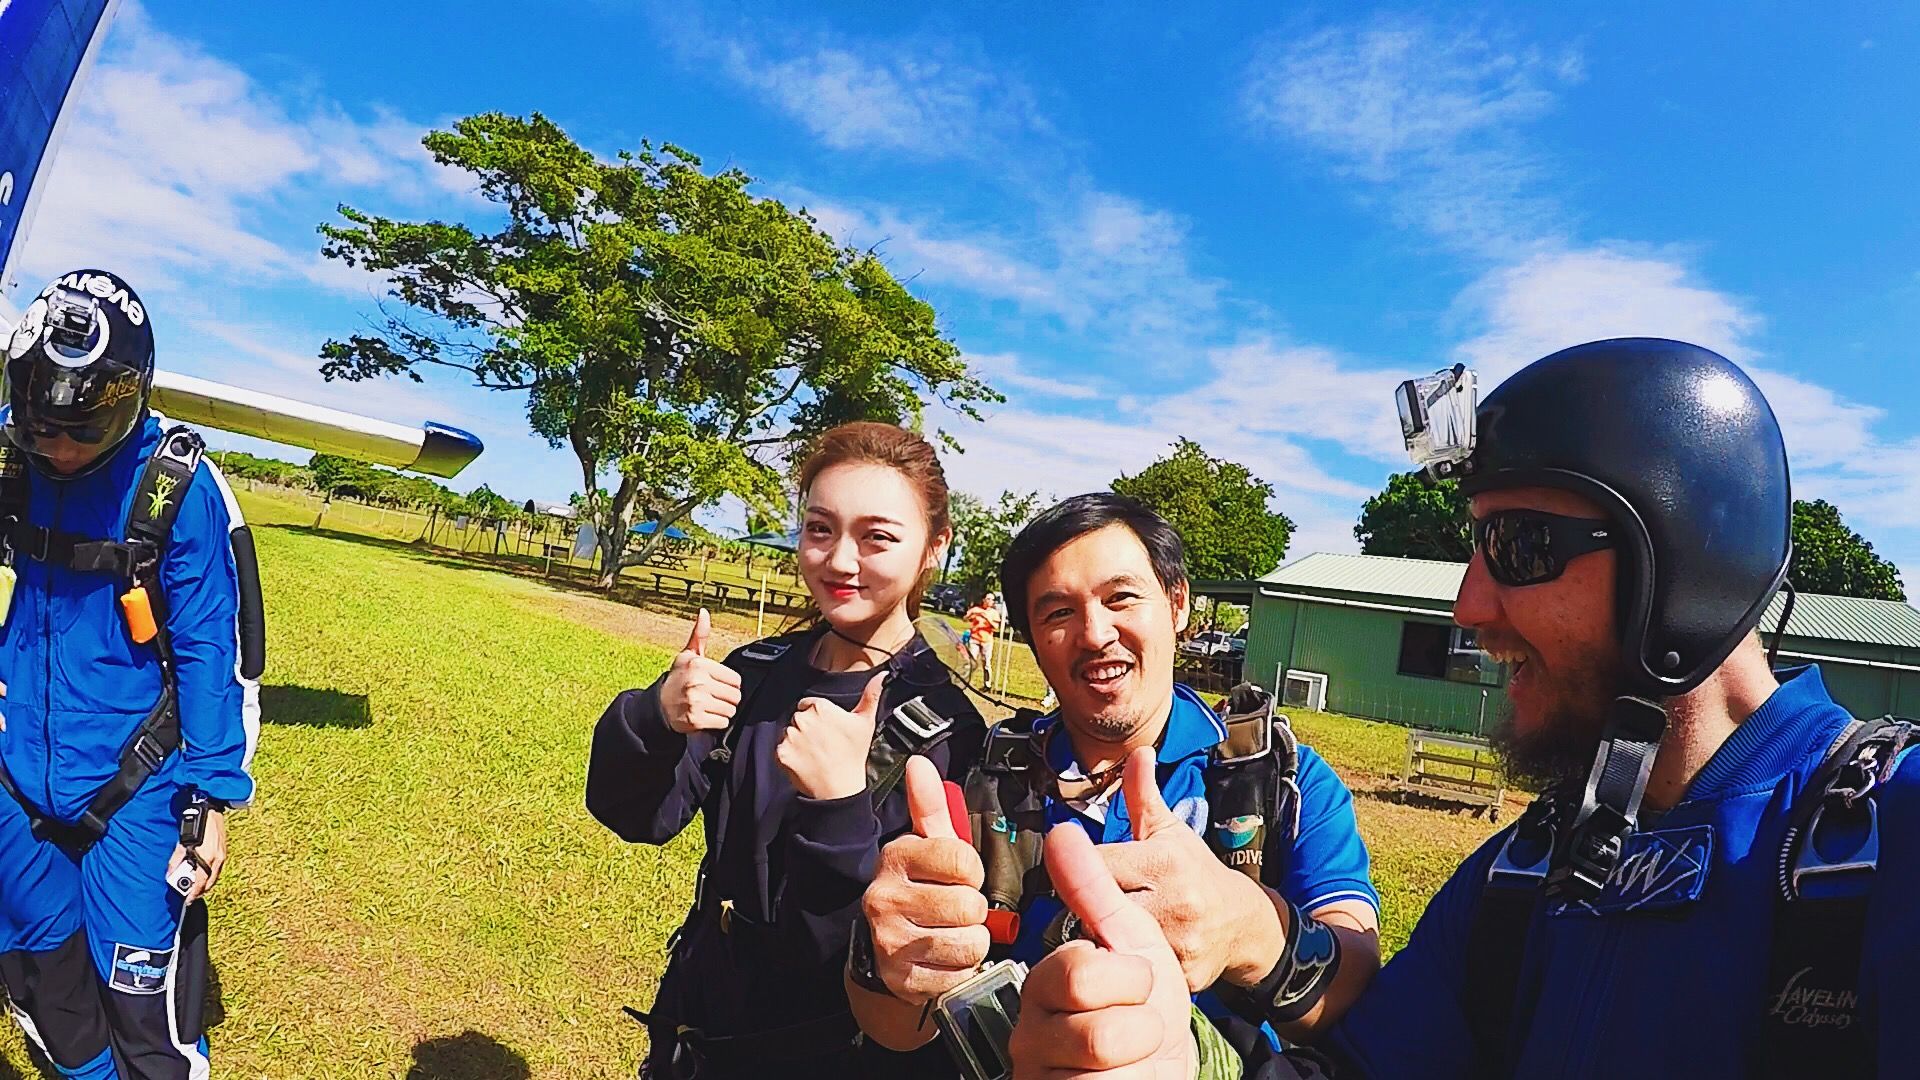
[[1005, 371], [1110, 269], [923, 97], [176, 163], [1433, 113]]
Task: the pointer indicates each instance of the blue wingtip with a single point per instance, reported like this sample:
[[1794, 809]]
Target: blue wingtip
[[446, 450]]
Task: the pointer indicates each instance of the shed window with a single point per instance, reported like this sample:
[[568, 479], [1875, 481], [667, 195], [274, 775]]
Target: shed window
[[1436, 651], [1424, 648]]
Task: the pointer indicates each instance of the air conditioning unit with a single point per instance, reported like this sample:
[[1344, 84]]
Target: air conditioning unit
[[1304, 690]]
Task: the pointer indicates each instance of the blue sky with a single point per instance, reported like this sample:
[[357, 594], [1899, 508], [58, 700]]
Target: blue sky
[[1234, 224]]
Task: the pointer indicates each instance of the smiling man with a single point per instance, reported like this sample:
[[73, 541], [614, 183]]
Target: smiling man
[[1720, 878], [1241, 844]]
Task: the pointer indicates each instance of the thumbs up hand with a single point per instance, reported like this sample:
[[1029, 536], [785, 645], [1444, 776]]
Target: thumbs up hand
[[1218, 920], [699, 694], [924, 905], [1116, 1003], [824, 749]]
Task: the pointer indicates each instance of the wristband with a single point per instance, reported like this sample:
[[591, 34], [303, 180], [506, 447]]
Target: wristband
[[861, 961], [1299, 979]]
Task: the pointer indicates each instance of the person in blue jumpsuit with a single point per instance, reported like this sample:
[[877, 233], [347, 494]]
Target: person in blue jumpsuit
[[790, 751], [103, 960], [1720, 879], [1098, 585]]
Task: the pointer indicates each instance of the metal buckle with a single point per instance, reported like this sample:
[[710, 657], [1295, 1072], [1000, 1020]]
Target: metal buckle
[[147, 749], [1864, 857], [726, 916], [920, 721], [1505, 873], [1001, 752], [1593, 853]]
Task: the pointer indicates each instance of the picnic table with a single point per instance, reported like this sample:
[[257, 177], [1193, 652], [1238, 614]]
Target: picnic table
[[669, 559]]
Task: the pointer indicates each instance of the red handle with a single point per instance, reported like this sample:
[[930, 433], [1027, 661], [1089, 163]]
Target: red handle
[[957, 810]]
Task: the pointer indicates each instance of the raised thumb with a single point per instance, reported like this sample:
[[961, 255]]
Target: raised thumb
[[1146, 810], [1083, 882], [702, 626], [869, 706], [927, 801]]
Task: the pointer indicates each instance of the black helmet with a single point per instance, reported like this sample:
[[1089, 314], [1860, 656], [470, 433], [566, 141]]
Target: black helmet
[[80, 364], [1680, 449]]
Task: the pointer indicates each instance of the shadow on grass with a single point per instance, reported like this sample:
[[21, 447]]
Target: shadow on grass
[[304, 706], [469, 1055]]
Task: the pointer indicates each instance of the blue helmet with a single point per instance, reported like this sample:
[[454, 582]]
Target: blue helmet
[[1681, 450]]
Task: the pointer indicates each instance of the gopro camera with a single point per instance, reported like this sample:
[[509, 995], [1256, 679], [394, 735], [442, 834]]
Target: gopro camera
[[70, 320], [181, 874], [976, 1020], [1437, 420]]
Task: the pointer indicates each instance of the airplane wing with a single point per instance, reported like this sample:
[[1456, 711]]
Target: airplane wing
[[46, 47]]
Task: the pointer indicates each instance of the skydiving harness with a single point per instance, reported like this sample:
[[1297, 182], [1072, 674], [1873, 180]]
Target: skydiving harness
[[915, 726], [1253, 804], [1813, 1024], [136, 561]]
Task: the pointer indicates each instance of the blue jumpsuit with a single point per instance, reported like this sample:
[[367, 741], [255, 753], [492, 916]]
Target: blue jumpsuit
[[96, 965]]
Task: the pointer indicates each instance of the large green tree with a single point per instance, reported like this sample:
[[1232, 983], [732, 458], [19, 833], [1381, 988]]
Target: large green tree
[[982, 533], [1830, 558], [1416, 518], [676, 332], [1220, 509]]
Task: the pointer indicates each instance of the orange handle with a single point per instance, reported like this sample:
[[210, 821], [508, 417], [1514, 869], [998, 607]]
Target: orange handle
[[139, 614]]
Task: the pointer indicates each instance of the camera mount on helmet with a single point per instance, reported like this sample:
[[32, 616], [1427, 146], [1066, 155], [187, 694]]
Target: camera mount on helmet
[[1437, 419], [1683, 455]]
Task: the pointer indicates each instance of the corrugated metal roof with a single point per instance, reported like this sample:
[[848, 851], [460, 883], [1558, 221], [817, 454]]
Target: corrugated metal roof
[[1834, 618], [1415, 579], [1847, 618]]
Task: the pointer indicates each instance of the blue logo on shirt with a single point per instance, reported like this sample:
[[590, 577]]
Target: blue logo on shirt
[[1659, 870]]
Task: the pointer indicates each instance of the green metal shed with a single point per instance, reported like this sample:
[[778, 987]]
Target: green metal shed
[[1372, 636]]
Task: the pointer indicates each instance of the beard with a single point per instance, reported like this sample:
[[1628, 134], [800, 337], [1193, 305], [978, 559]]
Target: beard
[[1559, 750]]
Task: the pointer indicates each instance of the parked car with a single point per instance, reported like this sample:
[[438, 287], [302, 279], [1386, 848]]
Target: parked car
[[1237, 644], [1209, 643], [951, 599]]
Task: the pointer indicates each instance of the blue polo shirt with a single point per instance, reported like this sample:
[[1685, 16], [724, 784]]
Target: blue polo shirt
[[1325, 861]]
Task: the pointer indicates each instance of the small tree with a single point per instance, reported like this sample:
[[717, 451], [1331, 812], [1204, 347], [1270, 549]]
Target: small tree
[[674, 331], [982, 534], [1219, 508], [1830, 558], [1416, 518]]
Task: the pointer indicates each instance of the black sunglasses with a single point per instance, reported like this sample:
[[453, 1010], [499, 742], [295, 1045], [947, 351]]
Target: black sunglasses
[[1531, 547]]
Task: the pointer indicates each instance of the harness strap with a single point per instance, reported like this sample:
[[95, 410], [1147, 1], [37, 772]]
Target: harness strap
[[75, 552], [1496, 940], [136, 560], [1814, 1023], [694, 1049], [157, 737]]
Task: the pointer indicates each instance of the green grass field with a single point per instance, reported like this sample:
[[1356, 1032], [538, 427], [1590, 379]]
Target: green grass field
[[418, 891]]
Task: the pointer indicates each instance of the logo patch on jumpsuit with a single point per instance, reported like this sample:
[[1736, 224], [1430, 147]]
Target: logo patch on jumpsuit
[[140, 971], [1659, 870]]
